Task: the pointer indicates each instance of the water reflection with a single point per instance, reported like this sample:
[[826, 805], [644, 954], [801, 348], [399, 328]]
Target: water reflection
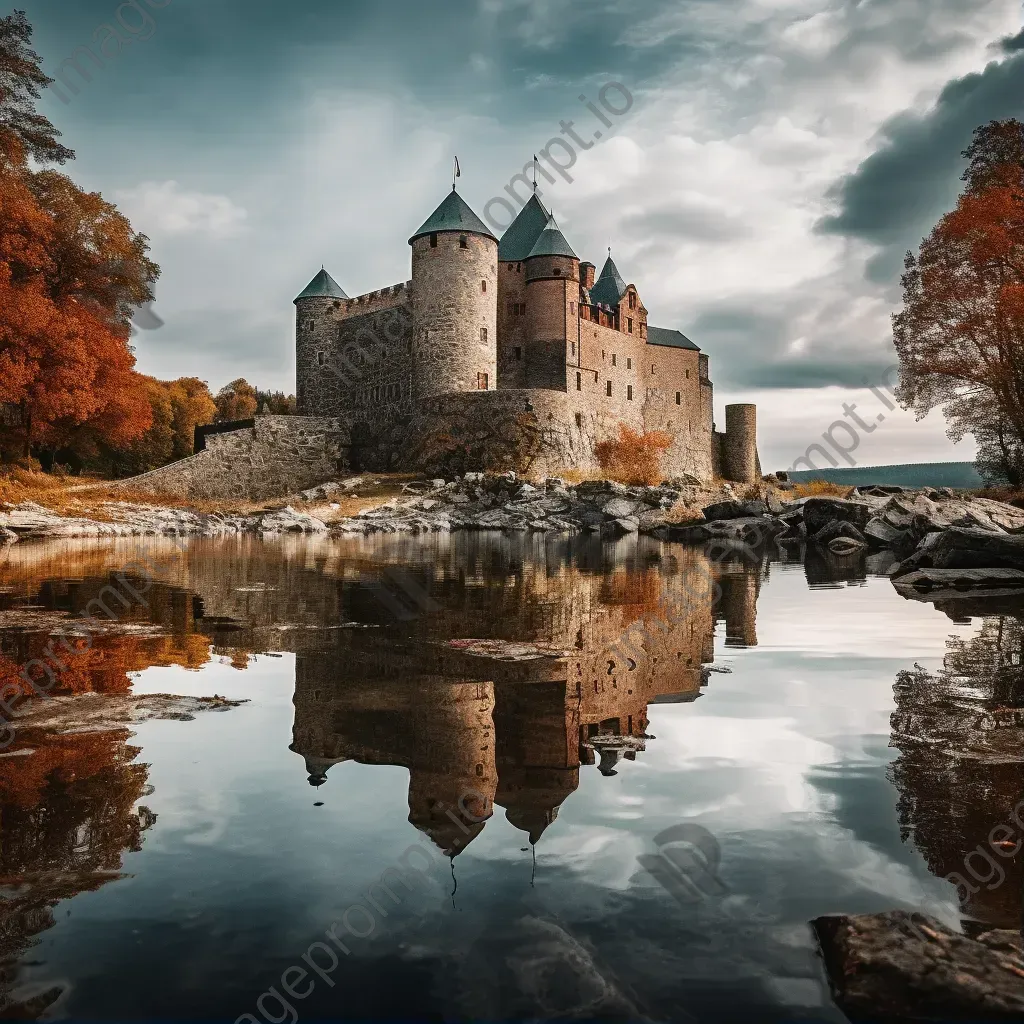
[[960, 771]]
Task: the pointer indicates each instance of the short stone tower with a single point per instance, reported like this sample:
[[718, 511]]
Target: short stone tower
[[454, 302], [740, 445], [314, 334]]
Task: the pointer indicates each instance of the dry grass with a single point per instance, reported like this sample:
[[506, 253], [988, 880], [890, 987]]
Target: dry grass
[[820, 489], [1004, 493]]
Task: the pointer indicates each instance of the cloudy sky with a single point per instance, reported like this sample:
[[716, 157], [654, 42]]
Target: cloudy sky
[[779, 158]]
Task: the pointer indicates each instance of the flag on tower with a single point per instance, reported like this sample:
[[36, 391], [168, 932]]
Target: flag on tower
[[458, 173]]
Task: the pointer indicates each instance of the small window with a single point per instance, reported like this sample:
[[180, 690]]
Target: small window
[[687, 374], [629, 364], [679, 398], [483, 335], [573, 347], [572, 307], [579, 383], [579, 419], [483, 287], [481, 382], [519, 353], [632, 300], [519, 268], [433, 240], [320, 358], [558, 272], [608, 389], [629, 392], [629, 324], [463, 242], [652, 369], [602, 350], [613, 358]]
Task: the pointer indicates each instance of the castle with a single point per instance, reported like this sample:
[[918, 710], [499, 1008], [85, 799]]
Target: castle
[[488, 330]]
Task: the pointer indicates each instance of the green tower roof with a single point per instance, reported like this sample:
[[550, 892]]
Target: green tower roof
[[453, 215], [669, 337], [609, 287], [551, 242], [522, 234], [323, 286]]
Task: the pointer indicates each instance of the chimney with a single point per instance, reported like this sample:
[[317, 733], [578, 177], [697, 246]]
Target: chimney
[[587, 275]]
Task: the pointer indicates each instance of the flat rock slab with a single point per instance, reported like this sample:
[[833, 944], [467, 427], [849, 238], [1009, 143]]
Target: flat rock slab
[[900, 967], [933, 583]]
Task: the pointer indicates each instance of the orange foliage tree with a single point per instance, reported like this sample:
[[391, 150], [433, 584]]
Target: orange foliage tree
[[960, 334], [72, 271], [633, 457], [236, 401]]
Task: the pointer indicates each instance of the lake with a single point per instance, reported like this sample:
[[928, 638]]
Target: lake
[[489, 777]]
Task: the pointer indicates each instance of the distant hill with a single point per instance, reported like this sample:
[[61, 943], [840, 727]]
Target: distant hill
[[920, 474]]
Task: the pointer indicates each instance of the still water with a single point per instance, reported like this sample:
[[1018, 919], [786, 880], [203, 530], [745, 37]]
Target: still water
[[513, 796]]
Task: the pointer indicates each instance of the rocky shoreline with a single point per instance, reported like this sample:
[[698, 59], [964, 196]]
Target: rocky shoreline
[[933, 540]]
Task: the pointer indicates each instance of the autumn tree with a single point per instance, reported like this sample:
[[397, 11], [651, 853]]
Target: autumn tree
[[277, 403], [960, 334], [236, 401], [24, 132]]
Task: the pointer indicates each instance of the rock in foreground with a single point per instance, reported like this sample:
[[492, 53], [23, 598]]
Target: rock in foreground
[[898, 967]]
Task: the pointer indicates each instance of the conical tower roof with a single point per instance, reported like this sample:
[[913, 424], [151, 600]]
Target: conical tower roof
[[551, 242], [609, 287], [521, 235], [323, 286], [453, 215]]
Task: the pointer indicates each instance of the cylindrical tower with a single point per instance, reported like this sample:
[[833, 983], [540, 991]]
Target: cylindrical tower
[[552, 291], [741, 443], [315, 388], [454, 302]]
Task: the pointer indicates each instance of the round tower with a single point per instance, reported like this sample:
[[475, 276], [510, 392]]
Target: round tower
[[454, 302], [741, 443], [552, 291], [315, 388]]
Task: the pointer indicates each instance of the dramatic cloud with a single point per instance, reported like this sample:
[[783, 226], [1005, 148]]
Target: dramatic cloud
[[164, 206]]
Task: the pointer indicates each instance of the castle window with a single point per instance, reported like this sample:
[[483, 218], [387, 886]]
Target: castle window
[[629, 392], [463, 242], [574, 348], [519, 353], [579, 383], [433, 240], [613, 358], [687, 374], [320, 358], [572, 307], [579, 419], [310, 324], [629, 364], [632, 300], [558, 272], [519, 268], [629, 324], [679, 398], [483, 287], [608, 389], [481, 382], [483, 335], [652, 368]]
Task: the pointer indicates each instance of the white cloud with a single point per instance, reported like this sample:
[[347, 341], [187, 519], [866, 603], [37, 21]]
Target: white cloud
[[165, 207]]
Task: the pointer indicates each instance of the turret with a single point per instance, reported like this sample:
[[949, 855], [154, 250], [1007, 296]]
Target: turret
[[454, 302], [552, 292], [314, 341]]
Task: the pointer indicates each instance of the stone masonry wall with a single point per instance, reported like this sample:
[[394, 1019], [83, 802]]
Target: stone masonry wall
[[279, 456]]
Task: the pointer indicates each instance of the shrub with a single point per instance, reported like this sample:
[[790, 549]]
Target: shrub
[[633, 458]]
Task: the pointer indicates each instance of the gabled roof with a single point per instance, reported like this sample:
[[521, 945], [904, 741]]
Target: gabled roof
[[551, 242], [322, 286], [522, 234], [609, 287], [666, 336], [453, 215]]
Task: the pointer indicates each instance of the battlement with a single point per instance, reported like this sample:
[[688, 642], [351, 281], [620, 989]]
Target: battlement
[[371, 302]]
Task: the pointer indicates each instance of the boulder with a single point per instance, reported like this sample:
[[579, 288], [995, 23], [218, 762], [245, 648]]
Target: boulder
[[621, 527], [836, 529], [287, 520], [907, 967], [846, 546], [819, 512], [882, 534], [734, 509], [959, 548], [619, 508]]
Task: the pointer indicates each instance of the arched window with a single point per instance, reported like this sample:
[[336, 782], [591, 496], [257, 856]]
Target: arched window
[[463, 242]]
